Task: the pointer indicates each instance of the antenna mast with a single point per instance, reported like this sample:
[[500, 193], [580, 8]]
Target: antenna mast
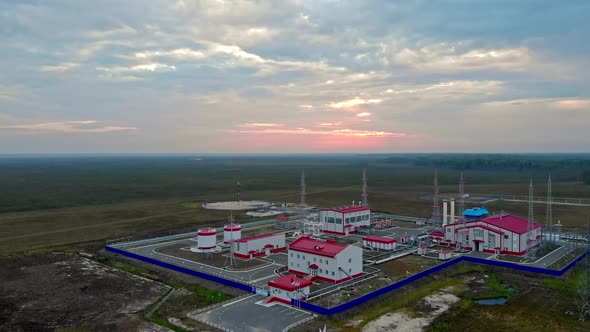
[[461, 195], [531, 201], [549, 216], [364, 193], [303, 193], [436, 220]]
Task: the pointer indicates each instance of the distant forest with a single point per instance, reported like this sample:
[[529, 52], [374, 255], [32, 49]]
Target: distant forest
[[565, 167]]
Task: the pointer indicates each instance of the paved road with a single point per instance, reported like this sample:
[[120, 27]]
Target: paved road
[[553, 257], [258, 276], [247, 316]]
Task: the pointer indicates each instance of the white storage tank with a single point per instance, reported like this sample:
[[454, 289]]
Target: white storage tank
[[207, 238], [232, 232]]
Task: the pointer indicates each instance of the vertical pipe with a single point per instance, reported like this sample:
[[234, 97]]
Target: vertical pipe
[[444, 221], [452, 216]]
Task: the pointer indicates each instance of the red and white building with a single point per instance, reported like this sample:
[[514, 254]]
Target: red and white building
[[259, 245], [285, 288], [206, 238], [232, 232], [344, 220], [327, 261], [379, 243], [500, 234]]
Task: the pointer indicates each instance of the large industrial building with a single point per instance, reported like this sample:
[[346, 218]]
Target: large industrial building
[[259, 245], [327, 261], [500, 234], [344, 220]]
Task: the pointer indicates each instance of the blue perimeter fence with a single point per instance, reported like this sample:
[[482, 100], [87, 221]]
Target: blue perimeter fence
[[348, 305]]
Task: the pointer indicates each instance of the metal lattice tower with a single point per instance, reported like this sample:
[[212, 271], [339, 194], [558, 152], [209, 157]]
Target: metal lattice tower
[[436, 218], [531, 195], [231, 257], [238, 191], [364, 195], [531, 236], [461, 195], [302, 198], [549, 215]]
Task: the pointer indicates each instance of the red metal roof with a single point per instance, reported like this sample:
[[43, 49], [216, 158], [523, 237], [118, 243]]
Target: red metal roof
[[482, 227], [379, 239], [511, 223], [437, 234], [207, 231], [232, 227], [447, 251], [309, 245], [262, 236], [268, 245], [348, 209], [314, 266], [289, 283]]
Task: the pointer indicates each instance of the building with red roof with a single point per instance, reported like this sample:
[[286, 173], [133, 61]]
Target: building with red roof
[[285, 288], [379, 242], [259, 245], [327, 261], [344, 220], [501, 234]]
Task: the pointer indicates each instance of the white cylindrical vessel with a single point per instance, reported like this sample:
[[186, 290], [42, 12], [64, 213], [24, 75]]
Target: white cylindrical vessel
[[207, 238], [232, 232]]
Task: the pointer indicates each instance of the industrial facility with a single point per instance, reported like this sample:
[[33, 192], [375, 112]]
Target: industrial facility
[[305, 253]]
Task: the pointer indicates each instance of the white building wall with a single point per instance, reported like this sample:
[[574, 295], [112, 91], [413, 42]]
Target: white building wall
[[359, 218], [287, 295], [278, 241], [350, 259]]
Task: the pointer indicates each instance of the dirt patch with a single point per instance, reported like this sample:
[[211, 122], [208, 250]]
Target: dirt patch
[[45, 292], [428, 309], [216, 259]]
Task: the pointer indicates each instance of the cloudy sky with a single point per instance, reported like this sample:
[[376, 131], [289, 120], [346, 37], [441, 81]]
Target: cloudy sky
[[294, 76]]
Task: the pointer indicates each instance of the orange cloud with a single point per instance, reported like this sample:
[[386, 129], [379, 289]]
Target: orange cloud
[[363, 114], [261, 125]]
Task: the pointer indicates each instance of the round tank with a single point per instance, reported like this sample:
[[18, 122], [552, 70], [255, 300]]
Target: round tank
[[232, 232], [206, 238]]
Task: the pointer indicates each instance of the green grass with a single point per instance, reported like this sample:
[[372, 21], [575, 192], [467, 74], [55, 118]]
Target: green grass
[[165, 323], [467, 269], [201, 295], [568, 285]]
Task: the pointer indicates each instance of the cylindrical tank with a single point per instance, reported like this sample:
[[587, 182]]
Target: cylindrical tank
[[232, 232], [207, 238]]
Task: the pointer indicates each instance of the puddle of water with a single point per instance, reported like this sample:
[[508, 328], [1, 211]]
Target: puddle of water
[[511, 289], [495, 301]]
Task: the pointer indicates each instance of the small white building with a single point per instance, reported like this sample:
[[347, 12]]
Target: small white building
[[259, 245], [232, 232], [206, 238], [379, 243], [326, 261], [500, 234], [344, 220], [445, 254], [285, 288]]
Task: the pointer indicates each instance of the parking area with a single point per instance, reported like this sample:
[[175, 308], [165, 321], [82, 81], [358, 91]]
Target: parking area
[[249, 315]]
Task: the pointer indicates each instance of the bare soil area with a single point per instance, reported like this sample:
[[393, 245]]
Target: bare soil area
[[51, 291], [217, 260]]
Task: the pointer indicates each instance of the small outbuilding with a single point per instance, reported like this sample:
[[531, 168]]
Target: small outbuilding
[[285, 288], [379, 243], [259, 245]]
